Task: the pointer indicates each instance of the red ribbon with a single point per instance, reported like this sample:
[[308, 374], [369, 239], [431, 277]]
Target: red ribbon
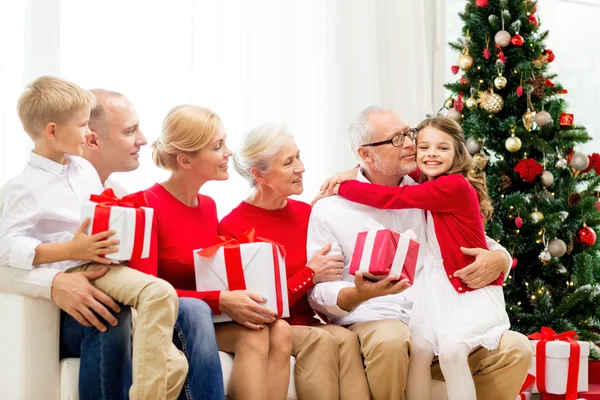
[[528, 382], [234, 265], [108, 199], [544, 336]]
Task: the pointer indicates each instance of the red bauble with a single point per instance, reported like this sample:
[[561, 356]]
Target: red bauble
[[482, 3], [586, 236], [550, 55], [520, 91], [517, 40], [514, 263], [519, 222], [533, 20], [486, 54], [454, 69]]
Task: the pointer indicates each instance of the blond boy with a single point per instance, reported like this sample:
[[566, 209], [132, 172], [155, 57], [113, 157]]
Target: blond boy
[[40, 228]]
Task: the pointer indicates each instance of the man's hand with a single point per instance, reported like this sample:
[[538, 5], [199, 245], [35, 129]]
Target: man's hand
[[486, 268], [245, 308], [91, 247], [327, 267], [74, 294], [364, 289]]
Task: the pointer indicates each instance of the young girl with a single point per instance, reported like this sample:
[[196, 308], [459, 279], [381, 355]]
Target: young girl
[[448, 319]]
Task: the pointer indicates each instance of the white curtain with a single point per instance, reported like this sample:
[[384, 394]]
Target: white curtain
[[311, 64]]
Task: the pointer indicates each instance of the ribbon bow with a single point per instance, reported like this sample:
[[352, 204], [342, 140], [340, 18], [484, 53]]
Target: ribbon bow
[[108, 198], [547, 335], [247, 237]]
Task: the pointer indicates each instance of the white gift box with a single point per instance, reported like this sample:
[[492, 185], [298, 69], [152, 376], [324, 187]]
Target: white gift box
[[262, 268], [123, 221], [557, 366]]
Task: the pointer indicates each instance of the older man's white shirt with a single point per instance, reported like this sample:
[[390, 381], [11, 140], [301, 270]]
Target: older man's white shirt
[[337, 221]]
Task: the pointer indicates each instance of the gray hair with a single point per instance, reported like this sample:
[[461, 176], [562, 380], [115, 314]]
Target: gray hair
[[258, 149], [360, 129]]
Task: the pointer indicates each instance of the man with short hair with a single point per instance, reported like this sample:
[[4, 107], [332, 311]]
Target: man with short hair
[[379, 311]]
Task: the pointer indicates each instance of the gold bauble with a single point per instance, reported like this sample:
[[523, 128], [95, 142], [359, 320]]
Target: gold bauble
[[500, 82], [471, 102], [491, 102], [480, 161], [449, 103], [536, 216], [513, 144], [528, 119], [465, 61]]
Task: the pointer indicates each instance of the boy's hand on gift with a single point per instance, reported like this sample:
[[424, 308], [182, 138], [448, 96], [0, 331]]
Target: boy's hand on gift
[[91, 247], [389, 285], [245, 308], [74, 294], [327, 267]]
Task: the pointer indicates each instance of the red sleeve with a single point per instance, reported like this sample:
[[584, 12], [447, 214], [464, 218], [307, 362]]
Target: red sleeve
[[299, 283], [444, 194]]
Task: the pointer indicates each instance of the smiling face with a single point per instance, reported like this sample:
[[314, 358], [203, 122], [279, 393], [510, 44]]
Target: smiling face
[[284, 173], [435, 151], [69, 136], [211, 162]]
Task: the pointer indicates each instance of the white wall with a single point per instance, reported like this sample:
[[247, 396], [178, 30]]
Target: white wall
[[574, 33]]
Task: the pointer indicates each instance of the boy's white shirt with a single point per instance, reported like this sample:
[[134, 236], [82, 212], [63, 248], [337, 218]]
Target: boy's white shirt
[[37, 282]]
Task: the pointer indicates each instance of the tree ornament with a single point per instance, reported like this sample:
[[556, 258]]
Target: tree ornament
[[539, 85], [566, 119], [481, 161], [519, 222], [473, 146], [549, 54], [513, 144], [491, 102], [547, 178], [454, 114], [528, 119], [500, 82], [449, 103], [557, 248], [486, 52], [545, 255], [458, 103], [471, 103], [528, 169], [533, 20], [561, 163], [579, 161], [586, 236], [505, 182], [543, 118], [574, 199], [540, 62], [482, 3], [454, 69], [520, 91], [502, 38], [563, 215], [514, 263], [517, 40], [570, 247], [548, 195], [465, 61], [536, 216]]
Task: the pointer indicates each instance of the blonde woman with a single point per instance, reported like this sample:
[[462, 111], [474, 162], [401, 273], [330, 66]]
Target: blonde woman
[[192, 147], [328, 360]]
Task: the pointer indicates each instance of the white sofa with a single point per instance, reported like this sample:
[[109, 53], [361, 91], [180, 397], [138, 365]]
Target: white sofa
[[29, 344]]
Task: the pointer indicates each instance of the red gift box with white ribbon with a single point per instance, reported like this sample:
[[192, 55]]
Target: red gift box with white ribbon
[[382, 252], [129, 217], [246, 263]]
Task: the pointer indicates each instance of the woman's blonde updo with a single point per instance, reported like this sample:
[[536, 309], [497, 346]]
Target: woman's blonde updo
[[187, 129], [258, 149]]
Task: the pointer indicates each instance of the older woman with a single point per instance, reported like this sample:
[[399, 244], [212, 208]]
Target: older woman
[[328, 360], [192, 146]]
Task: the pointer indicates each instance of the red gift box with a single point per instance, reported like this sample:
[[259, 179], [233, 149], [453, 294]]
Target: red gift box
[[383, 252]]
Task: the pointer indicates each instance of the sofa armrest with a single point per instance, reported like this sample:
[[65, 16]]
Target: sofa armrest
[[29, 346]]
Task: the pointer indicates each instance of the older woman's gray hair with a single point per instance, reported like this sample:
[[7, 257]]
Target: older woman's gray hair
[[259, 147], [360, 130]]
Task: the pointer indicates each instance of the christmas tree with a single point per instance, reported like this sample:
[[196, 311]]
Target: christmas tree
[[544, 192]]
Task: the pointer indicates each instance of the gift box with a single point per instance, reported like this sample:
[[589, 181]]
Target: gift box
[[129, 217], [594, 372], [524, 396], [380, 252], [254, 266], [561, 363]]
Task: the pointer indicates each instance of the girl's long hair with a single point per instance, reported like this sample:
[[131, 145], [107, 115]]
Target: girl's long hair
[[463, 162]]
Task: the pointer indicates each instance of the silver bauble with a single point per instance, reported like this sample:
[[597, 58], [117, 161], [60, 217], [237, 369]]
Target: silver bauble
[[579, 161], [545, 255], [542, 118], [557, 248], [563, 215], [562, 163], [502, 38], [547, 178], [454, 114], [473, 145]]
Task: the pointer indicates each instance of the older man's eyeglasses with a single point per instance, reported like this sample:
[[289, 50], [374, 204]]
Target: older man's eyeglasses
[[398, 139]]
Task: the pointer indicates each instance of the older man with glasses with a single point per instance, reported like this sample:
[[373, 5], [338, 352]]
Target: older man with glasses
[[378, 312]]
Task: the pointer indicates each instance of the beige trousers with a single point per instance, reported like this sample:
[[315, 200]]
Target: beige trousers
[[159, 368], [386, 347], [328, 363]]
